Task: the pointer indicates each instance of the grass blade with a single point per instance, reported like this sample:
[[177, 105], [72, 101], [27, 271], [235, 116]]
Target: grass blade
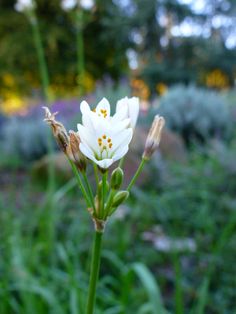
[[151, 287]]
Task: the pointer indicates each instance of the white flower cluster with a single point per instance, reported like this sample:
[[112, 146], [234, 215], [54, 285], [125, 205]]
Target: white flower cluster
[[24, 5], [105, 138], [68, 5]]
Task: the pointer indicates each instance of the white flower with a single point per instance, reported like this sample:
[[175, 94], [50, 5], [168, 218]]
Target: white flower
[[104, 139], [103, 112], [68, 4], [71, 4], [87, 4], [131, 106], [23, 5]]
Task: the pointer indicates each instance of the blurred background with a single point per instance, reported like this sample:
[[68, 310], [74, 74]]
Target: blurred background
[[171, 248]]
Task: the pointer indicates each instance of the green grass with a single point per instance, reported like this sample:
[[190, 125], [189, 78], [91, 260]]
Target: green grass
[[45, 250]]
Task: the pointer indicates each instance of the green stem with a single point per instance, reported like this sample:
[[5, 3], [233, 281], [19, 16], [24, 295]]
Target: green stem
[[121, 162], [95, 265], [89, 189], [80, 183], [41, 57], [109, 202], [104, 184], [95, 168], [135, 177], [44, 77], [80, 48]]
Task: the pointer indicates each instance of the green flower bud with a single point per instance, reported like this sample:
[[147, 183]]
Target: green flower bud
[[119, 198], [117, 178]]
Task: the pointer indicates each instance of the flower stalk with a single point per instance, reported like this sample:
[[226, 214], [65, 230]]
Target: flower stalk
[[94, 271], [103, 139], [43, 70], [80, 49]]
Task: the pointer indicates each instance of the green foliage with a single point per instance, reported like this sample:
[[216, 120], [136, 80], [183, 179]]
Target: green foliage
[[59, 32], [45, 256], [195, 113]]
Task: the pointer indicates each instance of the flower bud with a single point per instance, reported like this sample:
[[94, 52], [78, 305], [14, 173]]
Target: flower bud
[[58, 130], [117, 178], [154, 137], [73, 150], [119, 198]]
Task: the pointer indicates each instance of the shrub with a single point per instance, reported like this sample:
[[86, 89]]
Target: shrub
[[25, 138], [196, 113]]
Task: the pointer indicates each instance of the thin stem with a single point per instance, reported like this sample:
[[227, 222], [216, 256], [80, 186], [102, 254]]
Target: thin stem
[[109, 202], [95, 168], [41, 57], [135, 177], [121, 162], [80, 183], [44, 77], [95, 266], [104, 184], [80, 49], [89, 189]]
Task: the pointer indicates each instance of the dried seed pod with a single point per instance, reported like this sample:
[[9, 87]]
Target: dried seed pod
[[58, 130], [154, 137], [74, 150]]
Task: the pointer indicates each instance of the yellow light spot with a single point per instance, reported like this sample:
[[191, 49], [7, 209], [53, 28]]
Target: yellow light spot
[[110, 145], [100, 144], [104, 137], [109, 140]]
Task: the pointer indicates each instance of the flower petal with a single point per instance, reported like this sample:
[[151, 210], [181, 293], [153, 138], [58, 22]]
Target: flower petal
[[121, 139], [87, 136], [84, 107], [133, 105], [86, 151], [105, 163], [122, 104], [103, 105], [121, 111], [120, 153]]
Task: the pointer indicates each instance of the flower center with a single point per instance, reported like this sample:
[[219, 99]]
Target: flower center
[[101, 112], [105, 143]]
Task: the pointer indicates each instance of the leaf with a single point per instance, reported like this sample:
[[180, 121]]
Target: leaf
[[151, 287]]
